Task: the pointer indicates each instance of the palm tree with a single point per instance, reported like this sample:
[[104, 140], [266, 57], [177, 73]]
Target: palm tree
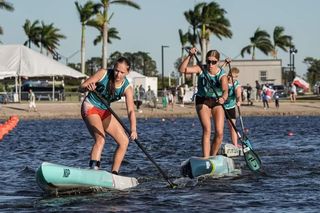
[[259, 40], [212, 21], [32, 31], [49, 38], [105, 4], [85, 13], [98, 23], [183, 40], [280, 40], [6, 6]]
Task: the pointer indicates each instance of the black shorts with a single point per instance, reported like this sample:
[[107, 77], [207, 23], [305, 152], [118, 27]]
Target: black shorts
[[208, 101], [231, 112]]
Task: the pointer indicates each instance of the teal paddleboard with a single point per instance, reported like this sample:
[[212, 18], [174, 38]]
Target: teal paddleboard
[[215, 166], [54, 178]]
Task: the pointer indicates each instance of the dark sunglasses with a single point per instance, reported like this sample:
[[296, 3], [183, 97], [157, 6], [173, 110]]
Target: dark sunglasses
[[211, 62]]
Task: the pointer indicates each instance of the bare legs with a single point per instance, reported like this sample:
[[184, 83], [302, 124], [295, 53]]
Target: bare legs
[[204, 114], [97, 129]]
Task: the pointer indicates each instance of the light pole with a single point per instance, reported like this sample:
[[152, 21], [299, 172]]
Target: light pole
[[162, 68], [293, 51]]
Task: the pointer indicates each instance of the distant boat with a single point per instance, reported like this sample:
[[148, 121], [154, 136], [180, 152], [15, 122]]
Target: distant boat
[[55, 178]]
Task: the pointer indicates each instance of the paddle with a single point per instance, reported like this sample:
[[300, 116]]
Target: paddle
[[252, 159], [105, 102]]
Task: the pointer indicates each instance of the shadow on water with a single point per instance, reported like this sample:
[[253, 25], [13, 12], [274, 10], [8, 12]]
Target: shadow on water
[[290, 162]]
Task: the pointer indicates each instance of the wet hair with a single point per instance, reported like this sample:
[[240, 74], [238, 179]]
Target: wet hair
[[213, 53], [111, 83]]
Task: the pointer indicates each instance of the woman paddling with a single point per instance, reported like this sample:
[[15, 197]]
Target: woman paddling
[[207, 103], [112, 85], [234, 99]]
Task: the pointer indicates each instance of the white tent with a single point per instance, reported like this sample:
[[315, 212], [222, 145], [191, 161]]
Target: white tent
[[19, 61], [137, 79]]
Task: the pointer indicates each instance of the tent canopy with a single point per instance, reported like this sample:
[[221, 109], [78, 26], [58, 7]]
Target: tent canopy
[[18, 60]]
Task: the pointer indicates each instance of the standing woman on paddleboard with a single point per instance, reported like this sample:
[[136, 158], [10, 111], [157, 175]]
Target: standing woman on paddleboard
[[233, 101], [112, 85], [207, 103]]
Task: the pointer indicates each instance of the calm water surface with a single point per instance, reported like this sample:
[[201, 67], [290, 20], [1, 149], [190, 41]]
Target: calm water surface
[[291, 182]]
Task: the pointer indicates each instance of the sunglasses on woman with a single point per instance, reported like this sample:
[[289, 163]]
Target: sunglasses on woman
[[211, 62]]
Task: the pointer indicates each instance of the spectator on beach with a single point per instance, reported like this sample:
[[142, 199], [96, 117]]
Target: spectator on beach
[[165, 99], [141, 92], [137, 99], [181, 93], [293, 92], [32, 101], [249, 91], [258, 91], [276, 99], [207, 103], [265, 99], [170, 99], [233, 101], [112, 85]]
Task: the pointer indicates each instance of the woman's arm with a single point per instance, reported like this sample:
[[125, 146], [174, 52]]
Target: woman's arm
[[90, 83], [238, 96], [224, 87], [131, 114], [184, 68]]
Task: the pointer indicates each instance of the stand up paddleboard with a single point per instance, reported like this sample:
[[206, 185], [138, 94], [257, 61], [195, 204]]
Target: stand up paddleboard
[[53, 178], [214, 166]]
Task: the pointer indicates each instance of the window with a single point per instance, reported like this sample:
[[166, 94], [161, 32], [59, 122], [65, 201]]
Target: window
[[263, 76]]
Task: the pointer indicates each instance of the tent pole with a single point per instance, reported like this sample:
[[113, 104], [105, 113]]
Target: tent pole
[[52, 88]]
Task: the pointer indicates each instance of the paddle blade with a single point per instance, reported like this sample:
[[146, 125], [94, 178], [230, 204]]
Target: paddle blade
[[252, 159]]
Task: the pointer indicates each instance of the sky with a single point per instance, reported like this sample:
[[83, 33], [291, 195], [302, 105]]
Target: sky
[[158, 21]]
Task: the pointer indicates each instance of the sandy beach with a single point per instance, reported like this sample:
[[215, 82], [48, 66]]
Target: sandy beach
[[64, 110]]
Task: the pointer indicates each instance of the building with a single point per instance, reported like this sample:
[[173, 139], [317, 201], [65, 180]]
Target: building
[[264, 71]]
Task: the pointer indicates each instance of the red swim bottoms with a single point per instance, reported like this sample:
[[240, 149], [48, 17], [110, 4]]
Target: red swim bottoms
[[88, 109]]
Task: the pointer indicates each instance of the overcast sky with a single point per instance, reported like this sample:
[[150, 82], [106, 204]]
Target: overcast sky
[[158, 21]]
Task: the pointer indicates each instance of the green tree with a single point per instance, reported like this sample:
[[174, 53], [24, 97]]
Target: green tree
[[85, 13], [104, 5], [212, 21], [280, 40], [313, 73], [98, 23], [141, 62], [261, 41], [6, 6], [49, 38], [32, 31]]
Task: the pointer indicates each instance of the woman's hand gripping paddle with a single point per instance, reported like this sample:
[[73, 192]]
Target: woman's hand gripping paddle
[[252, 159], [105, 102]]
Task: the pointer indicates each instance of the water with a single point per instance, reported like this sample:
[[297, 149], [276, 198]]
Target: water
[[291, 164]]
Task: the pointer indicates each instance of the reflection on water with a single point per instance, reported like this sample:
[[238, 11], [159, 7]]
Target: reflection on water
[[291, 163]]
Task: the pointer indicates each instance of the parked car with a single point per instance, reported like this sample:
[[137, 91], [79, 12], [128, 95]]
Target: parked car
[[281, 90]]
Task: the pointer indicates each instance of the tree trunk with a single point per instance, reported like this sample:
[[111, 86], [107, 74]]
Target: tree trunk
[[83, 59]]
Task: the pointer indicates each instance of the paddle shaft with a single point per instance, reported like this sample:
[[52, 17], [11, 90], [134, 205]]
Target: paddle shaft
[[105, 102]]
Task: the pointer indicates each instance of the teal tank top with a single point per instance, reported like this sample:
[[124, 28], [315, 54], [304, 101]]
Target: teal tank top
[[205, 88], [102, 89], [232, 97]]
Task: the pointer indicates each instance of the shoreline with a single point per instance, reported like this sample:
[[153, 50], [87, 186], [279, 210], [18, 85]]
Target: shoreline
[[71, 110]]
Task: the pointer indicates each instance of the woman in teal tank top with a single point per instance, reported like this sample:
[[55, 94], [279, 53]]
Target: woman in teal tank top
[[207, 104], [112, 85], [234, 99]]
